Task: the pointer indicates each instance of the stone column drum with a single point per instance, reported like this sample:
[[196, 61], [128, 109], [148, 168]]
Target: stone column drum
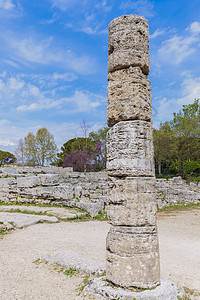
[[132, 242]]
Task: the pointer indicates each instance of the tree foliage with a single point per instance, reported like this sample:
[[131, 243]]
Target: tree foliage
[[164, 146], [6, 158], [186, 127], [85, 153], [19, 152], [100, 154], [177, 142], [39, 149]]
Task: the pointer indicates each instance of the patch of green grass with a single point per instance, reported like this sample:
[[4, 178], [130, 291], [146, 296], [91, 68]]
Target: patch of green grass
[[71, 272], [6, 176], [180, 206], [85, 282], [3, 231], [18, 210], [166, 176], [189, 293], [102, 216], [85, 218], [40, 205], [12, 223], [37, 261]]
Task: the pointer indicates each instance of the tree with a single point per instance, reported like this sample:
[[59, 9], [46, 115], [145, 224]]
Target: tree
[[85, 153], [186, 127], [76, 144], [79, 160], [30, 150], [20, 152], [39, 149], [100, 154], [45, 145], [6, 158], [164, 145], [178, 141]]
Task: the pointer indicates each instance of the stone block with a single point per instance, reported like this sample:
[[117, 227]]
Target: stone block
[[138, 270], [139, 212], [28, 182], [122, 189], [128, 43], [7, 182], [128, 241], [49, 179], [130, 149], [131, 201], [128, 96]]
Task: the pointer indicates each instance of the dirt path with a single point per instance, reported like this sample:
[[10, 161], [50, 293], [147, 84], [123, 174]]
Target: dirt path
[[20, 278]]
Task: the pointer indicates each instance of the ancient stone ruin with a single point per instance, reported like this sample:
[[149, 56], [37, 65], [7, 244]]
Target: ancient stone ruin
[[132, 243]]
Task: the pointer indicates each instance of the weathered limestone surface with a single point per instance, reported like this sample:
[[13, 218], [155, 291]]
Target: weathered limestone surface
[[126, 241], [130, 149], [89, 190], [132, 243], [128, 43], [134, 213], [28, 185], [128, 96], [131, 201], [132, 256], [141, 270], [167, 290]]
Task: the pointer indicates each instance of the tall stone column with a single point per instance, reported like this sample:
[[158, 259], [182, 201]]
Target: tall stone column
[[132, 242]]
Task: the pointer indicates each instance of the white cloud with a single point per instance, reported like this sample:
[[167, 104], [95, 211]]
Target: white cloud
[[6, 4], [79, 102], [64, 4], [15, 84], [62, 131], [2, 85], [141, 7], [6, 143], [11, 63], [32, 50], [104, 5], [45, 52], [157, 33], [194, 28], [50, 21], [190, 90], [49, 80], [179, 47], [92, 30], [84, 102]]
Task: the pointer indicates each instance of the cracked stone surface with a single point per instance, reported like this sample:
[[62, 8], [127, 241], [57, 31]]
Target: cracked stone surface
[[60, 212], [128, 43], [80, 262], [130, 149], [128, 96], [165, 291], [132, 243], [24, 220]]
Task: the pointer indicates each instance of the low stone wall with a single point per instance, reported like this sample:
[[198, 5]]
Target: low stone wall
[[176, 191], [62, 186], [56, 186]]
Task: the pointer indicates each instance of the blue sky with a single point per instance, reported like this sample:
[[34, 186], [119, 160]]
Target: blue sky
[[53, 62]]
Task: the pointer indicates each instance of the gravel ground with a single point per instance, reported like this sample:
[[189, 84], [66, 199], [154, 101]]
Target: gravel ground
[[20, 278]]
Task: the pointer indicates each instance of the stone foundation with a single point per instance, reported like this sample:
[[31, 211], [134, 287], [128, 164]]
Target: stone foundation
[[61, 186]]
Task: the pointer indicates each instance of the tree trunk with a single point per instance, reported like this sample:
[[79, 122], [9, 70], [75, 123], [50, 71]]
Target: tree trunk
[[159, 168], [182, 175]]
